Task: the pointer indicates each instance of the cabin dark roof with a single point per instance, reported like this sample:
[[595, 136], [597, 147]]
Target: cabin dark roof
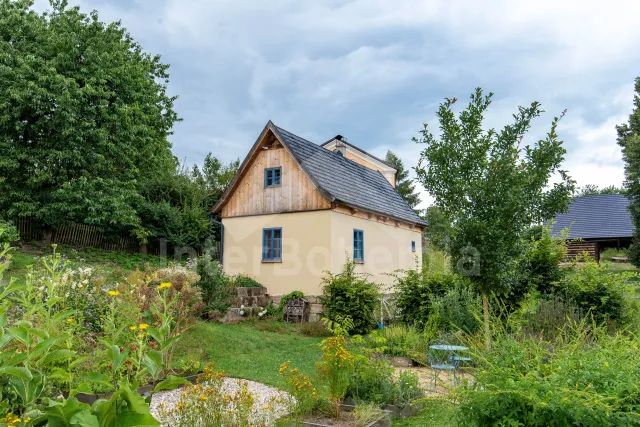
[[346, 181], [596, 217]]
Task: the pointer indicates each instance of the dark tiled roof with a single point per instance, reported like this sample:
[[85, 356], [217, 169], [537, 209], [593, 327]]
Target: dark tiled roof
[[347, 181], [596, 217]]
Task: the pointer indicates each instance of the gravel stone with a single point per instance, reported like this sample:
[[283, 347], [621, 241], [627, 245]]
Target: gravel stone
[[262, 394]]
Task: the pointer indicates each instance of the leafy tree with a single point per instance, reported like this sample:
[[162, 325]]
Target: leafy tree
[[593, 190], [629, 140], [404, 185], [84, 117], [439, 230], [492, 188]]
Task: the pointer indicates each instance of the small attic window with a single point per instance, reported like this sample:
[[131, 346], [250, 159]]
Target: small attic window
[[272, 177]]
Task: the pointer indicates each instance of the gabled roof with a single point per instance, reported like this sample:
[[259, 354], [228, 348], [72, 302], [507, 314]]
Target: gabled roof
[[337, 178], [359, 150], [599, 216]]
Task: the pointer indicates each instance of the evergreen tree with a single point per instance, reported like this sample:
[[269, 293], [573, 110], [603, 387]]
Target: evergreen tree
[[629, 140], [404, 185]]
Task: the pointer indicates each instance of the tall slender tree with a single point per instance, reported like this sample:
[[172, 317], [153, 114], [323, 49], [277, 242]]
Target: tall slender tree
[[629, 140], [492, 188], [404, 185]]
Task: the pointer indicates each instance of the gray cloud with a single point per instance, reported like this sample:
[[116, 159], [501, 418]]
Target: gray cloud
[[375, 70]]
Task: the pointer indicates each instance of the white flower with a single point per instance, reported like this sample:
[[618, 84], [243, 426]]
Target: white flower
[[41, 288], [242, 307], [241, 312]]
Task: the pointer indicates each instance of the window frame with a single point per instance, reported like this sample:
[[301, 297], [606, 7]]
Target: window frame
[[272, 177], [358, 250], [272, 240]]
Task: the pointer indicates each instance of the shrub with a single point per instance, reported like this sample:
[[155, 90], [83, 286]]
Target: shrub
[[244, 281], [8, 232], [349, 294], [373, 378], [215, 286], [546, 316], [585, 377], [300, 387], [458, 309], [177, 275], [399, 340], [592, 288], [366, 413], [415, 291], [539, 267]]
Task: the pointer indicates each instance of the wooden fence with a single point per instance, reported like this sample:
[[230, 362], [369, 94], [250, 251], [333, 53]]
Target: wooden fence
[[77, 235]]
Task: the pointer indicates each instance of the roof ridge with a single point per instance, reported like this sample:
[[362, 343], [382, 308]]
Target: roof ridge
[[349, 162]]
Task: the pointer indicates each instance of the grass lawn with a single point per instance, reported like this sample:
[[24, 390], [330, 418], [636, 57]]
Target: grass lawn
[[113, 264], [250, 350], [436, 413]]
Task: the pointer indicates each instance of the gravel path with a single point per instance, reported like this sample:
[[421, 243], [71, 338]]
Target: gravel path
[[278, 401]]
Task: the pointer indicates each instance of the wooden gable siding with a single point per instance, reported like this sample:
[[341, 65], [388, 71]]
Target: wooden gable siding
[[297, 192]]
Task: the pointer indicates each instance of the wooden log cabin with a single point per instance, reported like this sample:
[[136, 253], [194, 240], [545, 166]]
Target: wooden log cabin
[[296, 210], [595, 223]]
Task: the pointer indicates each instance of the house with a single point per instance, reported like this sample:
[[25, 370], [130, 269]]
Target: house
[[296, 209], [597, 222]]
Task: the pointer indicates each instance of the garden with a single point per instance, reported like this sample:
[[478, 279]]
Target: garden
[[82, 346]]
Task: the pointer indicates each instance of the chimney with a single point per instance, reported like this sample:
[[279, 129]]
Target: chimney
[[341, 148]]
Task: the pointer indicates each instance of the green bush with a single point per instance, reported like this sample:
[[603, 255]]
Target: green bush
[[373, 378], [400, 340], [350, 295], [244, 281], [288, 297], [458, 310], [215, 286], [585, 377], [546, 316], [8, 232], [594, 289], [539, 267], [415, 291]]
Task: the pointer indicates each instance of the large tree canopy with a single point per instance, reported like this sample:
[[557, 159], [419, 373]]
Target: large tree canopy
[[629, 140], [84, 117], [404, 185], [491, 187]]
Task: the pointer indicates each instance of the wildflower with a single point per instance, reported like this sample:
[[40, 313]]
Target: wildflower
[[165, 285], [113, 293], [121, 349], [134, 348], [143, 326], [132, 328], [153, 344], [140, 336], [69, 320]]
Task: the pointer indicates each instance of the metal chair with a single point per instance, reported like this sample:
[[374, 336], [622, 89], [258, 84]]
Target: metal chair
[[442, 359]]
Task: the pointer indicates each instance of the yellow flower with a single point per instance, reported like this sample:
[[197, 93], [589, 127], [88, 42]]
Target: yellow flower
[[113, 293], [69, 320], [132, 328], [143, 326], [164, 285], [140, 336], [203, 397]]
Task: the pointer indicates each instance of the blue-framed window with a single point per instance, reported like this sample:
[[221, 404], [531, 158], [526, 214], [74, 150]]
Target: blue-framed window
[[413, 246], [358, 245], [272, 244], [273, 177]]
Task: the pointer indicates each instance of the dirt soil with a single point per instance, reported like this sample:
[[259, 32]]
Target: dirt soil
[[444, 381], [347, 419]]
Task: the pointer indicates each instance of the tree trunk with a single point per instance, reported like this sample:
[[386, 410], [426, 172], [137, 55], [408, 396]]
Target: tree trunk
[[487, 325]]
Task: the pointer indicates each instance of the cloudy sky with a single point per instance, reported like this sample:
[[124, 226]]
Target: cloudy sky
[[375, 70]]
